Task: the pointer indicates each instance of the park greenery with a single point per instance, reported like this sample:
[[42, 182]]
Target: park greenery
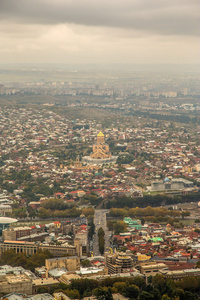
[[117, 226], [10, 257], [125, 159], [157, 288], [67, 213], [53, 208], [32, 187], [59, 208], [149, 214], [151, 200], [144, 212], [180, 118]]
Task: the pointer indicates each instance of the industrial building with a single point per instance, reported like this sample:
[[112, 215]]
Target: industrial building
[[173, 184]]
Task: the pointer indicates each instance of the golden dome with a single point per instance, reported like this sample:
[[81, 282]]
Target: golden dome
[[100, 134]]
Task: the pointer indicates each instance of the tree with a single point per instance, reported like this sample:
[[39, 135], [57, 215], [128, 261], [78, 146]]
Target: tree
[[87, 293], [85, 263], [197, 221], [101, 245], [197, 264], [146, 296], [120, 286], [38, 259], [150, 278], [54, 204], [132, 291], [188, 283], [185, 214], [43, 213], [88, 211], [180, 294], [42, 290], [9, 257], [159, 282], [101, 232], [83, 284], [190, 296], [104, 294], [91, 228], [165, 297], [170, 288], [74, 294], [140, 282], [119, 227], [110, 225]]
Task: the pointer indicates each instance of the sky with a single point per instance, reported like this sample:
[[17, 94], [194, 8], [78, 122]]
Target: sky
[[100, 31]]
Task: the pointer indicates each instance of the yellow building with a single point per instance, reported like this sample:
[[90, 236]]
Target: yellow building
[[71, 263], [15, 284], [100, 153], [30, 248], [143, 257], [19, 246], [100, 149], [46, 283], [60, 296], [9, 234], [152, 268]]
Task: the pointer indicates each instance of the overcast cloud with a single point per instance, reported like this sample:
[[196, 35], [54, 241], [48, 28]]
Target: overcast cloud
[[95, 31]]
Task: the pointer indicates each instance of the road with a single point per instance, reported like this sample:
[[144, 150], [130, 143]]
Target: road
[[100, 221]]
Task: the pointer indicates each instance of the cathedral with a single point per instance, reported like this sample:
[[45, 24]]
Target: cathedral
[[100, 148], [100, 152]]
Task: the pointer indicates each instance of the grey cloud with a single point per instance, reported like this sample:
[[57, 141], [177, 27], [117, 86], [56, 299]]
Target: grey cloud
[[172, 17]]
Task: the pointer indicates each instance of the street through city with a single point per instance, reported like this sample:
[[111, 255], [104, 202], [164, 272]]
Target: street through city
[[100, 221]]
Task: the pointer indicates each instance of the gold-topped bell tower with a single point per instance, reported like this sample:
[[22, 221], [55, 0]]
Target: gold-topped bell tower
[[100, 137]]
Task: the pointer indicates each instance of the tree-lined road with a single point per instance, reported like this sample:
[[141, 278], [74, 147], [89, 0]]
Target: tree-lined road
[[100, 221]]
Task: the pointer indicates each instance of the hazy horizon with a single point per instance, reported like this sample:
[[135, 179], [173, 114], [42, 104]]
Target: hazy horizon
[[103, 67]]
